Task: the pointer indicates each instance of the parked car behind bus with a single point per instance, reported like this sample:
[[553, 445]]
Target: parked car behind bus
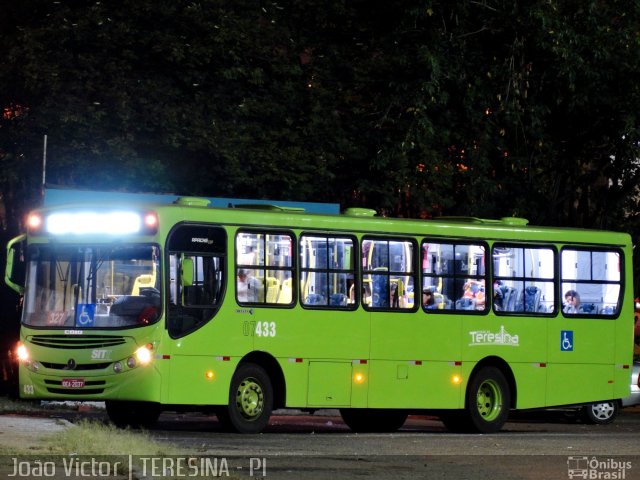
[[605, 412]]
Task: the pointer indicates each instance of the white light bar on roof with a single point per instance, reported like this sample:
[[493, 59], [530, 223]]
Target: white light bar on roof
[[109, 223]]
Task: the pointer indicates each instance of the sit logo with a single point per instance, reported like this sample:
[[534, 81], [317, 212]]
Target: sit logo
[[100, 354]]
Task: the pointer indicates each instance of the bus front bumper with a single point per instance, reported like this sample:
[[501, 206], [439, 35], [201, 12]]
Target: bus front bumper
[[137, 384]]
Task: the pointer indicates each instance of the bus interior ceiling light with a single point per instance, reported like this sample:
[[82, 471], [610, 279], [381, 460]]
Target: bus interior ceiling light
[[115, 222]]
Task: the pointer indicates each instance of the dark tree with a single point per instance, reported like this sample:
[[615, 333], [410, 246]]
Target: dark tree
[[413, 107]]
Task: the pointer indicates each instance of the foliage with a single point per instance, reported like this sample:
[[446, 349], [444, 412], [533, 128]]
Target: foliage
[[415, 107]]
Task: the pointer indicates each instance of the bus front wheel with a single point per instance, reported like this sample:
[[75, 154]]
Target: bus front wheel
[[488, 400], [250, 400]]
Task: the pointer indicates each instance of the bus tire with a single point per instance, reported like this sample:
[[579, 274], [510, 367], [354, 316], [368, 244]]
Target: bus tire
[[488, 400], [132, 414], [600, 413], [363, 420], [250, 400]]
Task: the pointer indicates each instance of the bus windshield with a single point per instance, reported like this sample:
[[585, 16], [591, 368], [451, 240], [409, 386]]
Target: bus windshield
[[92, 286]]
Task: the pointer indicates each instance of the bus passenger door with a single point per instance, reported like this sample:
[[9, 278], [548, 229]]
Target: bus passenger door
[[194, 293]]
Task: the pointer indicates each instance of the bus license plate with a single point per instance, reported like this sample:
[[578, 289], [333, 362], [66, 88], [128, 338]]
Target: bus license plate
[[73, 382]]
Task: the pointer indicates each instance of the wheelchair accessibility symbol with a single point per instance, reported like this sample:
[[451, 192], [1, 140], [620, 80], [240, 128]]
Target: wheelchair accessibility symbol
[[566, 340], [85, 314]]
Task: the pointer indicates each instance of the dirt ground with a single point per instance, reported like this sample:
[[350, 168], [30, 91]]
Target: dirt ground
[[19, 433]]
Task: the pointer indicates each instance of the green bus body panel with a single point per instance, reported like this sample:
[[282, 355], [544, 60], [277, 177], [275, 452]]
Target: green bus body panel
[[593, 358], [189, 384], [296, 375], [413, 360], [409, 384], [359, 358], [329, 384], [531, 381]]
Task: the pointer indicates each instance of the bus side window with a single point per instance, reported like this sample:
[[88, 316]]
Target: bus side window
[[523, 279], [455, 275], [327, 271], [595, 275], [264, 268], [388, 274]]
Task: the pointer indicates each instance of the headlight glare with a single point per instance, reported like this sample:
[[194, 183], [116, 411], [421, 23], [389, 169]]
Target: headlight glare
[[144, 355], [23, 353]]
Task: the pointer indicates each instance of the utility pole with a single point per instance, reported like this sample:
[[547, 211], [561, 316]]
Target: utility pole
[[44, 166]]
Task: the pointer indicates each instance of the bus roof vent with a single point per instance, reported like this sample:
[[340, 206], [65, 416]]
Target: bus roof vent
[[509, 221], [360, 212], [192, 201], [515, 221], [268, 207]]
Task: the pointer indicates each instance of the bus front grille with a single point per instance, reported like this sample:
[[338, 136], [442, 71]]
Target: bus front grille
[[76, 342], [82, 366]]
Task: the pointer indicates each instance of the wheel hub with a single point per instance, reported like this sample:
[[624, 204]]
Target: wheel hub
[[489, 400], [250, 399], [602, 410]]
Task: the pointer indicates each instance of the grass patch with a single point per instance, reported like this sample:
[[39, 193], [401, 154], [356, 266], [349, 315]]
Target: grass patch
[[88, 437], [96, 438]]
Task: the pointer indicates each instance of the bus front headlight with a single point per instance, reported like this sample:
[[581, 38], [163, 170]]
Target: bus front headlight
[[144, 354], [22, 353]]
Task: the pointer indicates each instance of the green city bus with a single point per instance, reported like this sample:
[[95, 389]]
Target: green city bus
[[240, 311]]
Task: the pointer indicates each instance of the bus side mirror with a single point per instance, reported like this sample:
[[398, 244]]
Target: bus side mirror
[[14, 273]]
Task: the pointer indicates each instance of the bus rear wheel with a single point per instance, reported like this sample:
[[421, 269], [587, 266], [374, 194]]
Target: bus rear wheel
[[373, 419], [250, 400], [132, 414], [488, 400]]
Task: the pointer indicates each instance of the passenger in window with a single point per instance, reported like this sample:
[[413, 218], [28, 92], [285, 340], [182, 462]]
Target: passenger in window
[[572, 302], [248, 287], [428, 299], [474, 290]]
